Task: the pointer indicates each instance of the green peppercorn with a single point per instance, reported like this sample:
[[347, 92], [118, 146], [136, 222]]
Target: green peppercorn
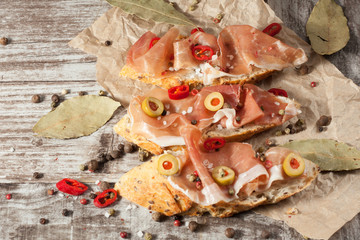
[[102, 93], [147, 236], [111, 211], [82, 167], [281, 112]]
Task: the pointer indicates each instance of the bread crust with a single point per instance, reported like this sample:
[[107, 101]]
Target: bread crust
[[143, 185], [171, 81]]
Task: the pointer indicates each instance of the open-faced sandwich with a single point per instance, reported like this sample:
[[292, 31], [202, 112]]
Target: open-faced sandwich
[[240, 54], [219, 178], [232, 112]]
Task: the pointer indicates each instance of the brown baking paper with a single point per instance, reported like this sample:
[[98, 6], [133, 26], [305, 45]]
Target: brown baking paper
[[334, 197]]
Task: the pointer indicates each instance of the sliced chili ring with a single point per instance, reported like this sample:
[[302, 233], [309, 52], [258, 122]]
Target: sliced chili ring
[[105, 198], [153, 42], [196, 29], [278, 92], [71, 186], [272, 29], [202, 53], [194, 92], [178, 92], [214, 143]]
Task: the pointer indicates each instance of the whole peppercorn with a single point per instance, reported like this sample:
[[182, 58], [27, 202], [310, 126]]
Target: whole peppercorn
[[101, 157], [82, 167], [83, 201], [36, 98], [102, 93], [303, 69], [123, 234], [128, 147], [109, 157], [107, 43], [93, 165], [147, 236], [82, 93], [115, 154], [177, 223], [193, 226], [50, 191], [43, 221], [111, 211], [156, 216], [104, 186], [55, 98], [37, 175], [121, 148], [229, 232], [65, 212], [92, 196], [265, 234], [193, 122], [323, 121], [313, 84], [143, 155], [8, 196], [177, 217], [4, 41]]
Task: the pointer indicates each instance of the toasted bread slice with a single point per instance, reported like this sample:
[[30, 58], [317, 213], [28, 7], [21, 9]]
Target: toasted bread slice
[[171, 81], [143, 185]]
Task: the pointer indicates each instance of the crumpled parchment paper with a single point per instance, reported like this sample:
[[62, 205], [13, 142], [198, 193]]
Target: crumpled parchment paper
[[333, 199]]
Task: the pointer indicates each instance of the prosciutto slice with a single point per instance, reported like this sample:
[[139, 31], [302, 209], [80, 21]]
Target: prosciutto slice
[[243, 47], [249, 102]]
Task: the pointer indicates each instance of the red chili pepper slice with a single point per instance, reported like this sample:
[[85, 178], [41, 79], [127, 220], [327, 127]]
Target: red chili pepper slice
[[105, 199], [71, 186], [272, 29], [194, 92], [214, 143], [153, 42], [178, 92], [278, 92], [196, 29], [268, 164], [202, 53]]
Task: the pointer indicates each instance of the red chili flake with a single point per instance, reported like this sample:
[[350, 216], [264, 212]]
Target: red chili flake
[[123, 234], [268, 164], [196, 29], [256, 54], [56, 159], [163, 73], [84, 201], [105, 198], [194, 92], [177, 223], [313, 84], [201, 52], [178, 92], [214, 143], [153, 42], [272, 29], [8, 196], [278, 92], [71, 186]]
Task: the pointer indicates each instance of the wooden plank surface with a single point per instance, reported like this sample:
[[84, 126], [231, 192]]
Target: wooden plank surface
[[39, 61]]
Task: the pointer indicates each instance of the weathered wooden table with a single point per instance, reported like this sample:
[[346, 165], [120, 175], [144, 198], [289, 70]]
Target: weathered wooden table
[[39, 61]]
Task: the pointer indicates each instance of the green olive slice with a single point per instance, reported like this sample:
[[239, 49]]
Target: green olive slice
[[152, 106], [214, 101], [168, 164], [223, 175], [294, 165]]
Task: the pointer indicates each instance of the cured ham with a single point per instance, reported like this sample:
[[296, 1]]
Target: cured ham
[[238, 50], [250, 103]]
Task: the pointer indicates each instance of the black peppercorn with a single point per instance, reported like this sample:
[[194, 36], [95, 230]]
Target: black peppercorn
[[177, 217], [55, 98], [193, 122], [43, 221], [65, 212], [237, 118], [163, 113], [115, 154], [128, 147], [156, 216], [230, 232], [265, 235], [323, 121], [93, 195], [109, 157], [36, 98], [82, 93], [104, 186], [193, 226], [93, 165], [37, 175], [107, 43], [121, 148]]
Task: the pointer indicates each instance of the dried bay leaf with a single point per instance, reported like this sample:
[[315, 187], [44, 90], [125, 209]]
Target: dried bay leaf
[[156, 10], [329, 155], [76, 117], [327, 27]]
